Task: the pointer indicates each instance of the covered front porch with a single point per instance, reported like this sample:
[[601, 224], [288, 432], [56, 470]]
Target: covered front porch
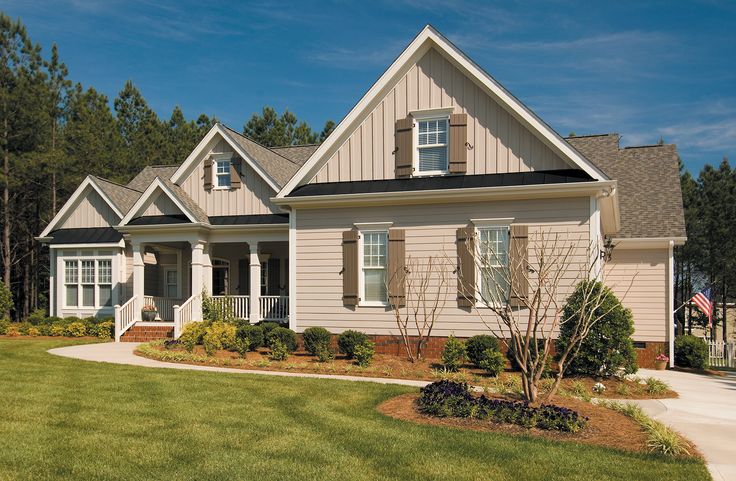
[[170, 281]]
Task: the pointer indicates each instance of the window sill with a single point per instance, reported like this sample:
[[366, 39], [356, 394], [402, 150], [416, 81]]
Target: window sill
[[372, 304], [430, 173], [221, 188]]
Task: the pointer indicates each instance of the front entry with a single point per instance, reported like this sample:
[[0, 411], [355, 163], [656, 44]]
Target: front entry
[[220, 277]]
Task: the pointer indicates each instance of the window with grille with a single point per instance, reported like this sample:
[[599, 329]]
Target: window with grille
[[88, 282], [432, 146], [375, 250], [494, 262], [222, 173]]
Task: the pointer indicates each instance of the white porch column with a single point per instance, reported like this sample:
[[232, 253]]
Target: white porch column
[[207, 269], [197, 277], [138, 278], [255, 284]]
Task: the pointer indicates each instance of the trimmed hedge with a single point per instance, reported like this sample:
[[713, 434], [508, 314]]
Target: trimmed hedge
[[316, 340], [36, 325], [691, 351], [254, 335], [283, 336], [348, 340], [477, 346]]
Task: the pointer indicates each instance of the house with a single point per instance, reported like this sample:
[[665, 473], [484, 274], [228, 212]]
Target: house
[[435, 150]]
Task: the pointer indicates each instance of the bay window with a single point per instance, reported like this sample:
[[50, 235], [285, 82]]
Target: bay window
[[88, 282]]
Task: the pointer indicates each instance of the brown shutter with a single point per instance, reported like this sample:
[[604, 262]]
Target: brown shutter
[[235, 165], [403, 153], [396, 267], [519, 264], [458, 138], [465, 266], [208, 173], [350, 267]]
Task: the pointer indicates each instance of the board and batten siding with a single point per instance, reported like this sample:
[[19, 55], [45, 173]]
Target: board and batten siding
[[91, 211], [430, 231], [253, 196], [646, 295], [162, 205], [500, 143]]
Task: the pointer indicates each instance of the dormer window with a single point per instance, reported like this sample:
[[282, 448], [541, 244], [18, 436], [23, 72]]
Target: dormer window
[[222, 173], [432, 146]]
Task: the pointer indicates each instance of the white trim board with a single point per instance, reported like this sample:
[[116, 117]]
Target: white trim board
[[426, 39]]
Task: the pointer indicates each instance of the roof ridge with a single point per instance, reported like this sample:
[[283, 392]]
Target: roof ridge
[[646, 146], [114, 183], [261, 145], [297, 145], [591, 135]]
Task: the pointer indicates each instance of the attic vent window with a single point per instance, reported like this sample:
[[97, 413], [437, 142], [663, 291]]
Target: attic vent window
[[222, 173], [432, 146]]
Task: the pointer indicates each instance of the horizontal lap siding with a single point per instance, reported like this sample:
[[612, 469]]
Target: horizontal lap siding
[[646, 295], [500, 142], [91, 211], [430, 231]]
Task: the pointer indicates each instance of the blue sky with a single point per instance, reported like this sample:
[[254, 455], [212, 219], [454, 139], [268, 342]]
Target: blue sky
[[643, 69]]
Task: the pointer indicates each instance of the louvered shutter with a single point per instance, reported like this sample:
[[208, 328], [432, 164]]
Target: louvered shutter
[[458, 139], [465, 266], [519, 264], [207, 173], [396, 274], [350, 267], [235, 169], [403, 154]]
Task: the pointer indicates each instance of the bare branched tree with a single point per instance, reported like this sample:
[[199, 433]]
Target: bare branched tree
[[426, 284], [537, 280]]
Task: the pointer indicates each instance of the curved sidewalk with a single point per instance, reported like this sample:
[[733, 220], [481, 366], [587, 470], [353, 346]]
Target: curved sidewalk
[[122, 353]]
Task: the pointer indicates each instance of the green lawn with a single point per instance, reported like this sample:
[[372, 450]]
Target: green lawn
[[67, 419]]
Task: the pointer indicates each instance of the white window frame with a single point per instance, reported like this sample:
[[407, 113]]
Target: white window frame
[[424, 116], [216, 161], [95, 259], [176, 283], [363, 229], [481, 224]]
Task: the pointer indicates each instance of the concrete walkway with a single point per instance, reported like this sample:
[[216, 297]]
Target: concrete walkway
[[122, 353], [705, 413]]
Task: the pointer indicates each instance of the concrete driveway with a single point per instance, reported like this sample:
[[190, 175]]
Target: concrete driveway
[[705, 413]]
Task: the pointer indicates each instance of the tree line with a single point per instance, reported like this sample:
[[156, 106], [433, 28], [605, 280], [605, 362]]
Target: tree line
[[54, 132]]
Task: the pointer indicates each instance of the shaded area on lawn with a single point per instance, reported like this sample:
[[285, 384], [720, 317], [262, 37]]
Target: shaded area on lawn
[[70, 419]]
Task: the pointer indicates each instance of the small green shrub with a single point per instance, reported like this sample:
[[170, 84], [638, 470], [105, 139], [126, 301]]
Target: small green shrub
[[76, 329], [267, 327], [287, 337], [192, 335], [254, 335], [325, 353], [453, 354], [58, 329], [241, 346], [219, 335], [655, 386], [364, 352], [6, 300], [493, 361], [316, 339], [44, 329], [13, 331], [347, 341], [4, 324], [105, 330], [477, 346], [37, 317], [691, 351], [279, 350]]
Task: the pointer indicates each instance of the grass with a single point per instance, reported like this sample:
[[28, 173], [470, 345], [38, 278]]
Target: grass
[[655, 386], [662, 439], [69, 419]]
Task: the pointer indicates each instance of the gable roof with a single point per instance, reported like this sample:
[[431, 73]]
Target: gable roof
[[428, 38], [177, 195], [123, 197], [648, 181], [297, 153], [144, 178]]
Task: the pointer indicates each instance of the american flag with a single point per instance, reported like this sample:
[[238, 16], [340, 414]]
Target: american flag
[[702, 300]]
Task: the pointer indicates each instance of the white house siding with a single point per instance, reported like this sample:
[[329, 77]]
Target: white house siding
[[646, 294], [500, 142], [430, 230], [253, 197], [91, 211]]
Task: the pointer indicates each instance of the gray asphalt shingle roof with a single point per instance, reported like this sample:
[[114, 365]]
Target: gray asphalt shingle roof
[[298, 153], [145, 177], [123, 197]]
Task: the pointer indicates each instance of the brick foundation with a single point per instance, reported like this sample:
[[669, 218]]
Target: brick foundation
[[138, 333], [393, 346]]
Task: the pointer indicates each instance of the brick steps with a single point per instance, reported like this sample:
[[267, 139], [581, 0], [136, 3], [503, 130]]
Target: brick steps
[[147, 333]]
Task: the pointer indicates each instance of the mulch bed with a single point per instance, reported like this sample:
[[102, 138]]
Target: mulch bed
[[605, 427]]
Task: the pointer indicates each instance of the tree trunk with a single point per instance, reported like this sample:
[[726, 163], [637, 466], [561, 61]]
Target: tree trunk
[[6, 209], [723, 308], [53, 169]]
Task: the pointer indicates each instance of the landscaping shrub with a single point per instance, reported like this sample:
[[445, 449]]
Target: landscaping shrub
[[691, 351], [12, 331], [493, 361], [325, 353], [37, 317], [279, 350], [477, 346], [453, 399], [58, 329], [76, 329], [254, 335], [286, 336], [347, 341], [241, 346], [363, 353], [33, 332], [192, 335], [316, 339], [6, 299], [106, 330], [453, 354], [23, 327], [4, 325], [267, 327], [656, 386], [219, 335], [608, 349]]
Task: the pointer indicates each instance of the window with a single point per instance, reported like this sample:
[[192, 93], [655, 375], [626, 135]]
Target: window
[[374, 262], [222, 173], [432, 146], [494, 261], [87, 282], [172, 284]]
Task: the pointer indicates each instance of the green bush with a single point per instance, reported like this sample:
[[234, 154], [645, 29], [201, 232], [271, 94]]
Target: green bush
[[23, 327], [219, 335], [105, 330], [242, 346], [254, 335], [58, 329], [316, 339], [287, 337], [493, 362], [33, 332], [364, 352], [691, 351], [4, 325], [608, 349], [37, 317], [325, 353], [267, 327], [76, 329], [6, 300], [279, 350], [477, 346], [453, 354], [347, 341], [192, 335]]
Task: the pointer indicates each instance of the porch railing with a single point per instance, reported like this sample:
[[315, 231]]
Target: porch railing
[[184, 314], [164, 306], [274, 308], [239, 306], [722, 354], [124, 317]]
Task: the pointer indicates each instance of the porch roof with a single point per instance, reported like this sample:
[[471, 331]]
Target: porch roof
[[86, 235], [220, 220]]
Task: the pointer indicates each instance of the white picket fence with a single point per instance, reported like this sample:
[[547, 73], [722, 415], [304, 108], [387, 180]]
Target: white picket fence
[[722, 354]]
